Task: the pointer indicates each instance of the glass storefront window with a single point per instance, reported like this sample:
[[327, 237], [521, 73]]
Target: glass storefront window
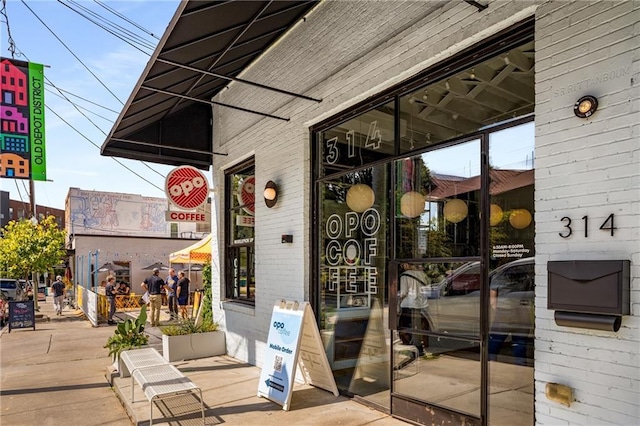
[[414, 178], [512, 276], [481, 95], [438, 203], [240, 199], [352, 246], [362, 140]]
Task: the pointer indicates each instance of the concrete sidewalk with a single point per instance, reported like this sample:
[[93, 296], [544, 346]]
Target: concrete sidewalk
[[59, 374]]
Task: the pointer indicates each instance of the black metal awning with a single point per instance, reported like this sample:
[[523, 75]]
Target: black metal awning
[[167, 118]]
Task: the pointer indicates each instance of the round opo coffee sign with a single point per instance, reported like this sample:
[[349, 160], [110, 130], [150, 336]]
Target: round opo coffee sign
[[186, 187], [247, 194]]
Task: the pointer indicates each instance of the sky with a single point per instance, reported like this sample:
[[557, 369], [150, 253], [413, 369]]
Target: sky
[[73, 156]]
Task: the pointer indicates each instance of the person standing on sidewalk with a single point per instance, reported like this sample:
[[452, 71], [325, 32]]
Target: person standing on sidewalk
[[154, 285], [172, 284], [182, 292], [110, 291], [59, 291]]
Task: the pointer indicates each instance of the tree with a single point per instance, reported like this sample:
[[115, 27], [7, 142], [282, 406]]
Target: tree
[[27, 247]]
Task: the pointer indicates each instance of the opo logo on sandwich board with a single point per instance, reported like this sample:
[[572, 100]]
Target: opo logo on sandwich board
[[186, 187]]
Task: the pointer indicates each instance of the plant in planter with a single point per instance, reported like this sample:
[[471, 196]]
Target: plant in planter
[[128, 334], [189, 340], [188, 327]]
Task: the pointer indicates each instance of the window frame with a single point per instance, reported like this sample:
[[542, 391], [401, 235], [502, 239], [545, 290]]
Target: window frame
[[233, 250]]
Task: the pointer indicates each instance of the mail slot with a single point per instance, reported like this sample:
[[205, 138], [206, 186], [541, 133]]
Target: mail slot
[[589, 286]]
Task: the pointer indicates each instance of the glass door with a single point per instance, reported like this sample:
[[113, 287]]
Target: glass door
[[438, 283]]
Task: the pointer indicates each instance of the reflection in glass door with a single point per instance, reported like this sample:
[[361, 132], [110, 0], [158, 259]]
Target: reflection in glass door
[[512, 276], [436, 350]]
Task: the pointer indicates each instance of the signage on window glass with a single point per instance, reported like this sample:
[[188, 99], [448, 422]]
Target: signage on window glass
[[247, 194]]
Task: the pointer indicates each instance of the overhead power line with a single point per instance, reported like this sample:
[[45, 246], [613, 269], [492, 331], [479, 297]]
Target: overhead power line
[[12, 45], [85, 99], [118, 14], [135, 45], [98, 79], [70, 51], [111, 27], [110, 120], [94, 144], [62, 92]]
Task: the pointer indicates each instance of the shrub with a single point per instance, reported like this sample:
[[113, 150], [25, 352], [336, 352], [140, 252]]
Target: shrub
[[189, 327], [128, 334]]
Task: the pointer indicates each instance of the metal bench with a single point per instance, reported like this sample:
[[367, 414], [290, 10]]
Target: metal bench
[[161, 382], [130, 361]]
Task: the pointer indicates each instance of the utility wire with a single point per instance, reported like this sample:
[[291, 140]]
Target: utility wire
[[12, 50], [118, 14], [94, 144], [93, 74], [124, 33], [98, 127], [86, 100], [62, 94], [70, 51], [130, 33], [110, 120], [12, 45], [107, 30]]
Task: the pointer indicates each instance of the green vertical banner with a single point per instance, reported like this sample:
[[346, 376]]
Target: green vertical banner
[[36, 119]]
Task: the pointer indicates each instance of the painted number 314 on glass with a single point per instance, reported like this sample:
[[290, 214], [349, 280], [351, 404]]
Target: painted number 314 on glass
[[607, 225]]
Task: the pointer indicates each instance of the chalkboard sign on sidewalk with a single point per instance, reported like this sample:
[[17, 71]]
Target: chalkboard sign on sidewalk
[[21, 314]]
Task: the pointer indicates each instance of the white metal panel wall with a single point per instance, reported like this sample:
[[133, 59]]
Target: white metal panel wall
[[588, 167]]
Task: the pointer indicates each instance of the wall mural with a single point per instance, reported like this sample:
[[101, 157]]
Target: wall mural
[[109, 213]]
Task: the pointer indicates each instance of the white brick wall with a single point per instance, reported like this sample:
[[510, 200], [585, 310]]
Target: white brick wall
[[347, 51], [588, 167]]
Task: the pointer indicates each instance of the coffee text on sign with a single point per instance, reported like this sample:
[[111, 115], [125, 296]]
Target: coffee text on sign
[[184, 217]]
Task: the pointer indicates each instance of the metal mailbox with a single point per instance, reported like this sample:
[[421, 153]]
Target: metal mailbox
[[589, 293]]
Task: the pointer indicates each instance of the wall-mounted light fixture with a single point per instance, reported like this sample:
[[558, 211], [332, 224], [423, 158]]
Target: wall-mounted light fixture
[[270, 194], [585, 106]]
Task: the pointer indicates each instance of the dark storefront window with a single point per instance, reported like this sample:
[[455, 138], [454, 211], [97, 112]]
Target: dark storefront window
[[406, 206], [352, 243], [240, 219]]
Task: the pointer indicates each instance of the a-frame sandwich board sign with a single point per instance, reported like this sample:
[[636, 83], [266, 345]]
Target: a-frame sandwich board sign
[[293, 339]]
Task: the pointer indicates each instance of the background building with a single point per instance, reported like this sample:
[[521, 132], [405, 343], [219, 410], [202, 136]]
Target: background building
[[17, 210], [126, 230]]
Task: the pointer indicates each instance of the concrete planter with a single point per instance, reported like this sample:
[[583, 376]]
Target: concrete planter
[[193, 346]]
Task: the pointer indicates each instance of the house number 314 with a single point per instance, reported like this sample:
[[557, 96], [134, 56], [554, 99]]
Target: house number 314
[[607, 225]]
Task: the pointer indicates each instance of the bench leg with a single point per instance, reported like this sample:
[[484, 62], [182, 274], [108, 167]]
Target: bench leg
[[151, 412], [202, 406]]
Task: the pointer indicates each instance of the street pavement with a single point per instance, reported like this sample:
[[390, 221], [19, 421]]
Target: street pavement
[[59, 373]]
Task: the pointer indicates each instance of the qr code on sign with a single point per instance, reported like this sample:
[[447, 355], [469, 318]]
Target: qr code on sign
[[277, 364]]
